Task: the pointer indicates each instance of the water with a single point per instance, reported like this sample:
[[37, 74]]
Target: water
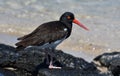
[[102, 17]]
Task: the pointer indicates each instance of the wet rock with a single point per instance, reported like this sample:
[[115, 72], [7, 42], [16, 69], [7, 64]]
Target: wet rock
[[110, 61], [33, 62]]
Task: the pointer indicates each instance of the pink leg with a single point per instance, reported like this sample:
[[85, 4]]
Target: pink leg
[[53, 67]]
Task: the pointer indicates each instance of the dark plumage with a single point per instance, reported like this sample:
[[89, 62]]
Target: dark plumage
[[50, 32], [46, 33]]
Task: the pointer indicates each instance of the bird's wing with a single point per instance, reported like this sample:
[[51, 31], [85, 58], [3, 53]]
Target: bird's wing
[[48, 32]]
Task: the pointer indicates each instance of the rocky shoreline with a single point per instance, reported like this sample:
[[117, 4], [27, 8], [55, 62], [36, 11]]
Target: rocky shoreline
[[32, 62]]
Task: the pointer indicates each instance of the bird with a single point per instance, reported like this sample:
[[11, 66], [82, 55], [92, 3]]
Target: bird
[[50, 34]]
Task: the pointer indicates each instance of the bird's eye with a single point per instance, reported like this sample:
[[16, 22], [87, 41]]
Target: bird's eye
[[68, 17]]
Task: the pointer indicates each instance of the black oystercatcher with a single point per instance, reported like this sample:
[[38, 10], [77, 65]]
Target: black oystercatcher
[[50, 34]]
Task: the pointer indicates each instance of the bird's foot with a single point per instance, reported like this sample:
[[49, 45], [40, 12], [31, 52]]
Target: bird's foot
[[53, 67]]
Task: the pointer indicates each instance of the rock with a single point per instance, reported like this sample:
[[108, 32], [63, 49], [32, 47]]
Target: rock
[[7, 55], [33, 62], [4, 72], [21, 72], [110, 61], [114, 67], [69, 72]]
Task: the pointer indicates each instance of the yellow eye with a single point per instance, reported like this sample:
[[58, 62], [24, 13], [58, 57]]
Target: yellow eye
[[68, 17]]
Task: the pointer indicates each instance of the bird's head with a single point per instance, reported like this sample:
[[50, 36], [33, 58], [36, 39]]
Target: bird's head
[[69, 17]]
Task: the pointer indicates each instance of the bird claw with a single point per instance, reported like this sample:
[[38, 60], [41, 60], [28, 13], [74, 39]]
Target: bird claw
[[54, 67]]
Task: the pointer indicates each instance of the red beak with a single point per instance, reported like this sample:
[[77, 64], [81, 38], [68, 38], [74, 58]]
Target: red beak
[[80, 24]]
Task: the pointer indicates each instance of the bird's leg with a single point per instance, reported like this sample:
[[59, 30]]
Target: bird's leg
[[51, 61], [47, 56], [51, 65], [50, 58]]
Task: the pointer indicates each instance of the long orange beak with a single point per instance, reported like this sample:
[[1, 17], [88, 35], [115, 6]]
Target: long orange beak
[[80, 24]]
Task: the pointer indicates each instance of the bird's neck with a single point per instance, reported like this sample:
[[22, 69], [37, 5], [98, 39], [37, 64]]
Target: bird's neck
[[68, 25]]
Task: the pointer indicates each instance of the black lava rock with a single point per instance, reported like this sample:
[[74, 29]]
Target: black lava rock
[[69, 72], [115, 67], [7, 55], [33, 62], [111, 61]]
